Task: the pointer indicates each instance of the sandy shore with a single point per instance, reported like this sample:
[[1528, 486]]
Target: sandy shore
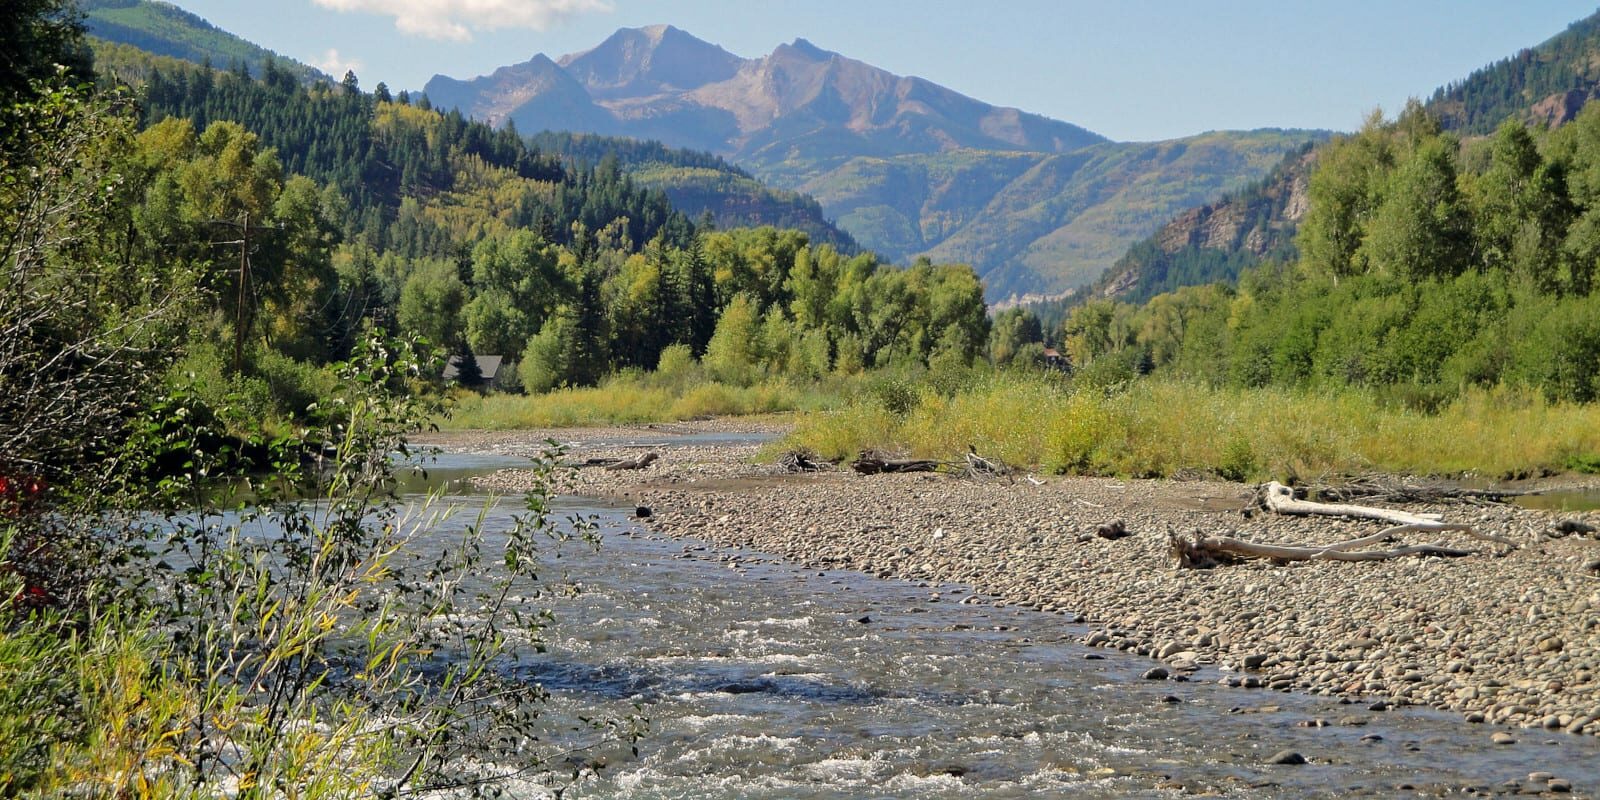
[[1506, 637]]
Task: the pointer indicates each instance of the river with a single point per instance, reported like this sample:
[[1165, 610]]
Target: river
[[761, 679]]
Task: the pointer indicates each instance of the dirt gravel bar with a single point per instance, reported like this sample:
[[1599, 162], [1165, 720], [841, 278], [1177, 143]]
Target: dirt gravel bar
[[1507, 636]]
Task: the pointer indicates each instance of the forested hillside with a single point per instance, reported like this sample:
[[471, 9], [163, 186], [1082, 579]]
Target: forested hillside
[[1545, 86], [362, 209], [1425, 267], [700, 184], [1217, 241], [695, 183], [166, 30], [1547, 83], [1032, 222]]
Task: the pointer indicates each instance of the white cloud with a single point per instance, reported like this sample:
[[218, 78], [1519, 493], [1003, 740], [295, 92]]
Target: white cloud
[[336, 65], [459, 19]]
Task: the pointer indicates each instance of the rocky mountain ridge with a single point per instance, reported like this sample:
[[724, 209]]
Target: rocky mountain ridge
[[908, 167], [660, 82]]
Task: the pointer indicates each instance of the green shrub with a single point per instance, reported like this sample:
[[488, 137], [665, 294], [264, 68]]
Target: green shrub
[[1238, 461]]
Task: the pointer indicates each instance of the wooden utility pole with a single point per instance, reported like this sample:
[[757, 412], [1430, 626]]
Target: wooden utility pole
[[242, 314], [239, 309]]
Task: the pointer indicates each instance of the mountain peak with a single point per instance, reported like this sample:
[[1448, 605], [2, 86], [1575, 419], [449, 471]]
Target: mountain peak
[[650, 60], [806, 48]]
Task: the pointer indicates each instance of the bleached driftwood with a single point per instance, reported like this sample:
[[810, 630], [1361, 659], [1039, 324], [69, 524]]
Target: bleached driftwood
[[1208, 551], [1280, 500], [979, 467]]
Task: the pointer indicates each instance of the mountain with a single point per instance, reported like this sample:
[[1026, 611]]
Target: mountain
[[798, 103], [650, 61], [1547, 84], [699, 183], [1045, 222], [1217, 241], [908, 167], [538, 90], [694, 183], [166, 30]]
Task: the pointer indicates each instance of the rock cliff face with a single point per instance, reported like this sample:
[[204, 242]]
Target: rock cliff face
[[1561, 108], [1216, 241], [1230, 224]]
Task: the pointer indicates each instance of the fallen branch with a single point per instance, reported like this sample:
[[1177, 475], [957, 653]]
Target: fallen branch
[[802, 461], [870, 463], [1204, 552], [1280, 500], [980, 467], [639, 462]]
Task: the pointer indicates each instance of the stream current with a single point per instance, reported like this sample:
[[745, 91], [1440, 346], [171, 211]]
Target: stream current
[[762, 679]]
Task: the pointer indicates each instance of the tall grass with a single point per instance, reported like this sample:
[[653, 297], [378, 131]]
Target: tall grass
[[632, 398], [1160, 427]]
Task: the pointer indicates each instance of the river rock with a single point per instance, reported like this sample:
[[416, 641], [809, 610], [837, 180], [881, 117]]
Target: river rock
[[1287, 757]]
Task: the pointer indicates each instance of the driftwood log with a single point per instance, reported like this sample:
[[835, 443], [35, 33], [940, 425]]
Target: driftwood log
[[802, 461], [972, 465], [1203, 551], [1280, 500], [874, 464], [1208, 551], [638, 462]]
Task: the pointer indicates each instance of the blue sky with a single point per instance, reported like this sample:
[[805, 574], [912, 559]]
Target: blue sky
[[1128, 69]]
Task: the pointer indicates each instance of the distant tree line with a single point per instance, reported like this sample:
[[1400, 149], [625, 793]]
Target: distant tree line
[[1425, 265]]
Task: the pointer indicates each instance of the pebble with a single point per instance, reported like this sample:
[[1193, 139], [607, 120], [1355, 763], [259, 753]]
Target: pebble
[[1287, 757], [1501, 737], [1156, 674]]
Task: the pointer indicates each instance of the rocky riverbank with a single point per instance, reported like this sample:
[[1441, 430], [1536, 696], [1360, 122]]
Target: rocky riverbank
[[1509, 637]]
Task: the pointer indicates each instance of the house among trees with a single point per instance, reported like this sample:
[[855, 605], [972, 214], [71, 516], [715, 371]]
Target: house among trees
[[481, 372], [1054, 360]]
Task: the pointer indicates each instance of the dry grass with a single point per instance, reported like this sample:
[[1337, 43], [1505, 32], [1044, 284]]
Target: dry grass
[[1164, 427], [626, 400]]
